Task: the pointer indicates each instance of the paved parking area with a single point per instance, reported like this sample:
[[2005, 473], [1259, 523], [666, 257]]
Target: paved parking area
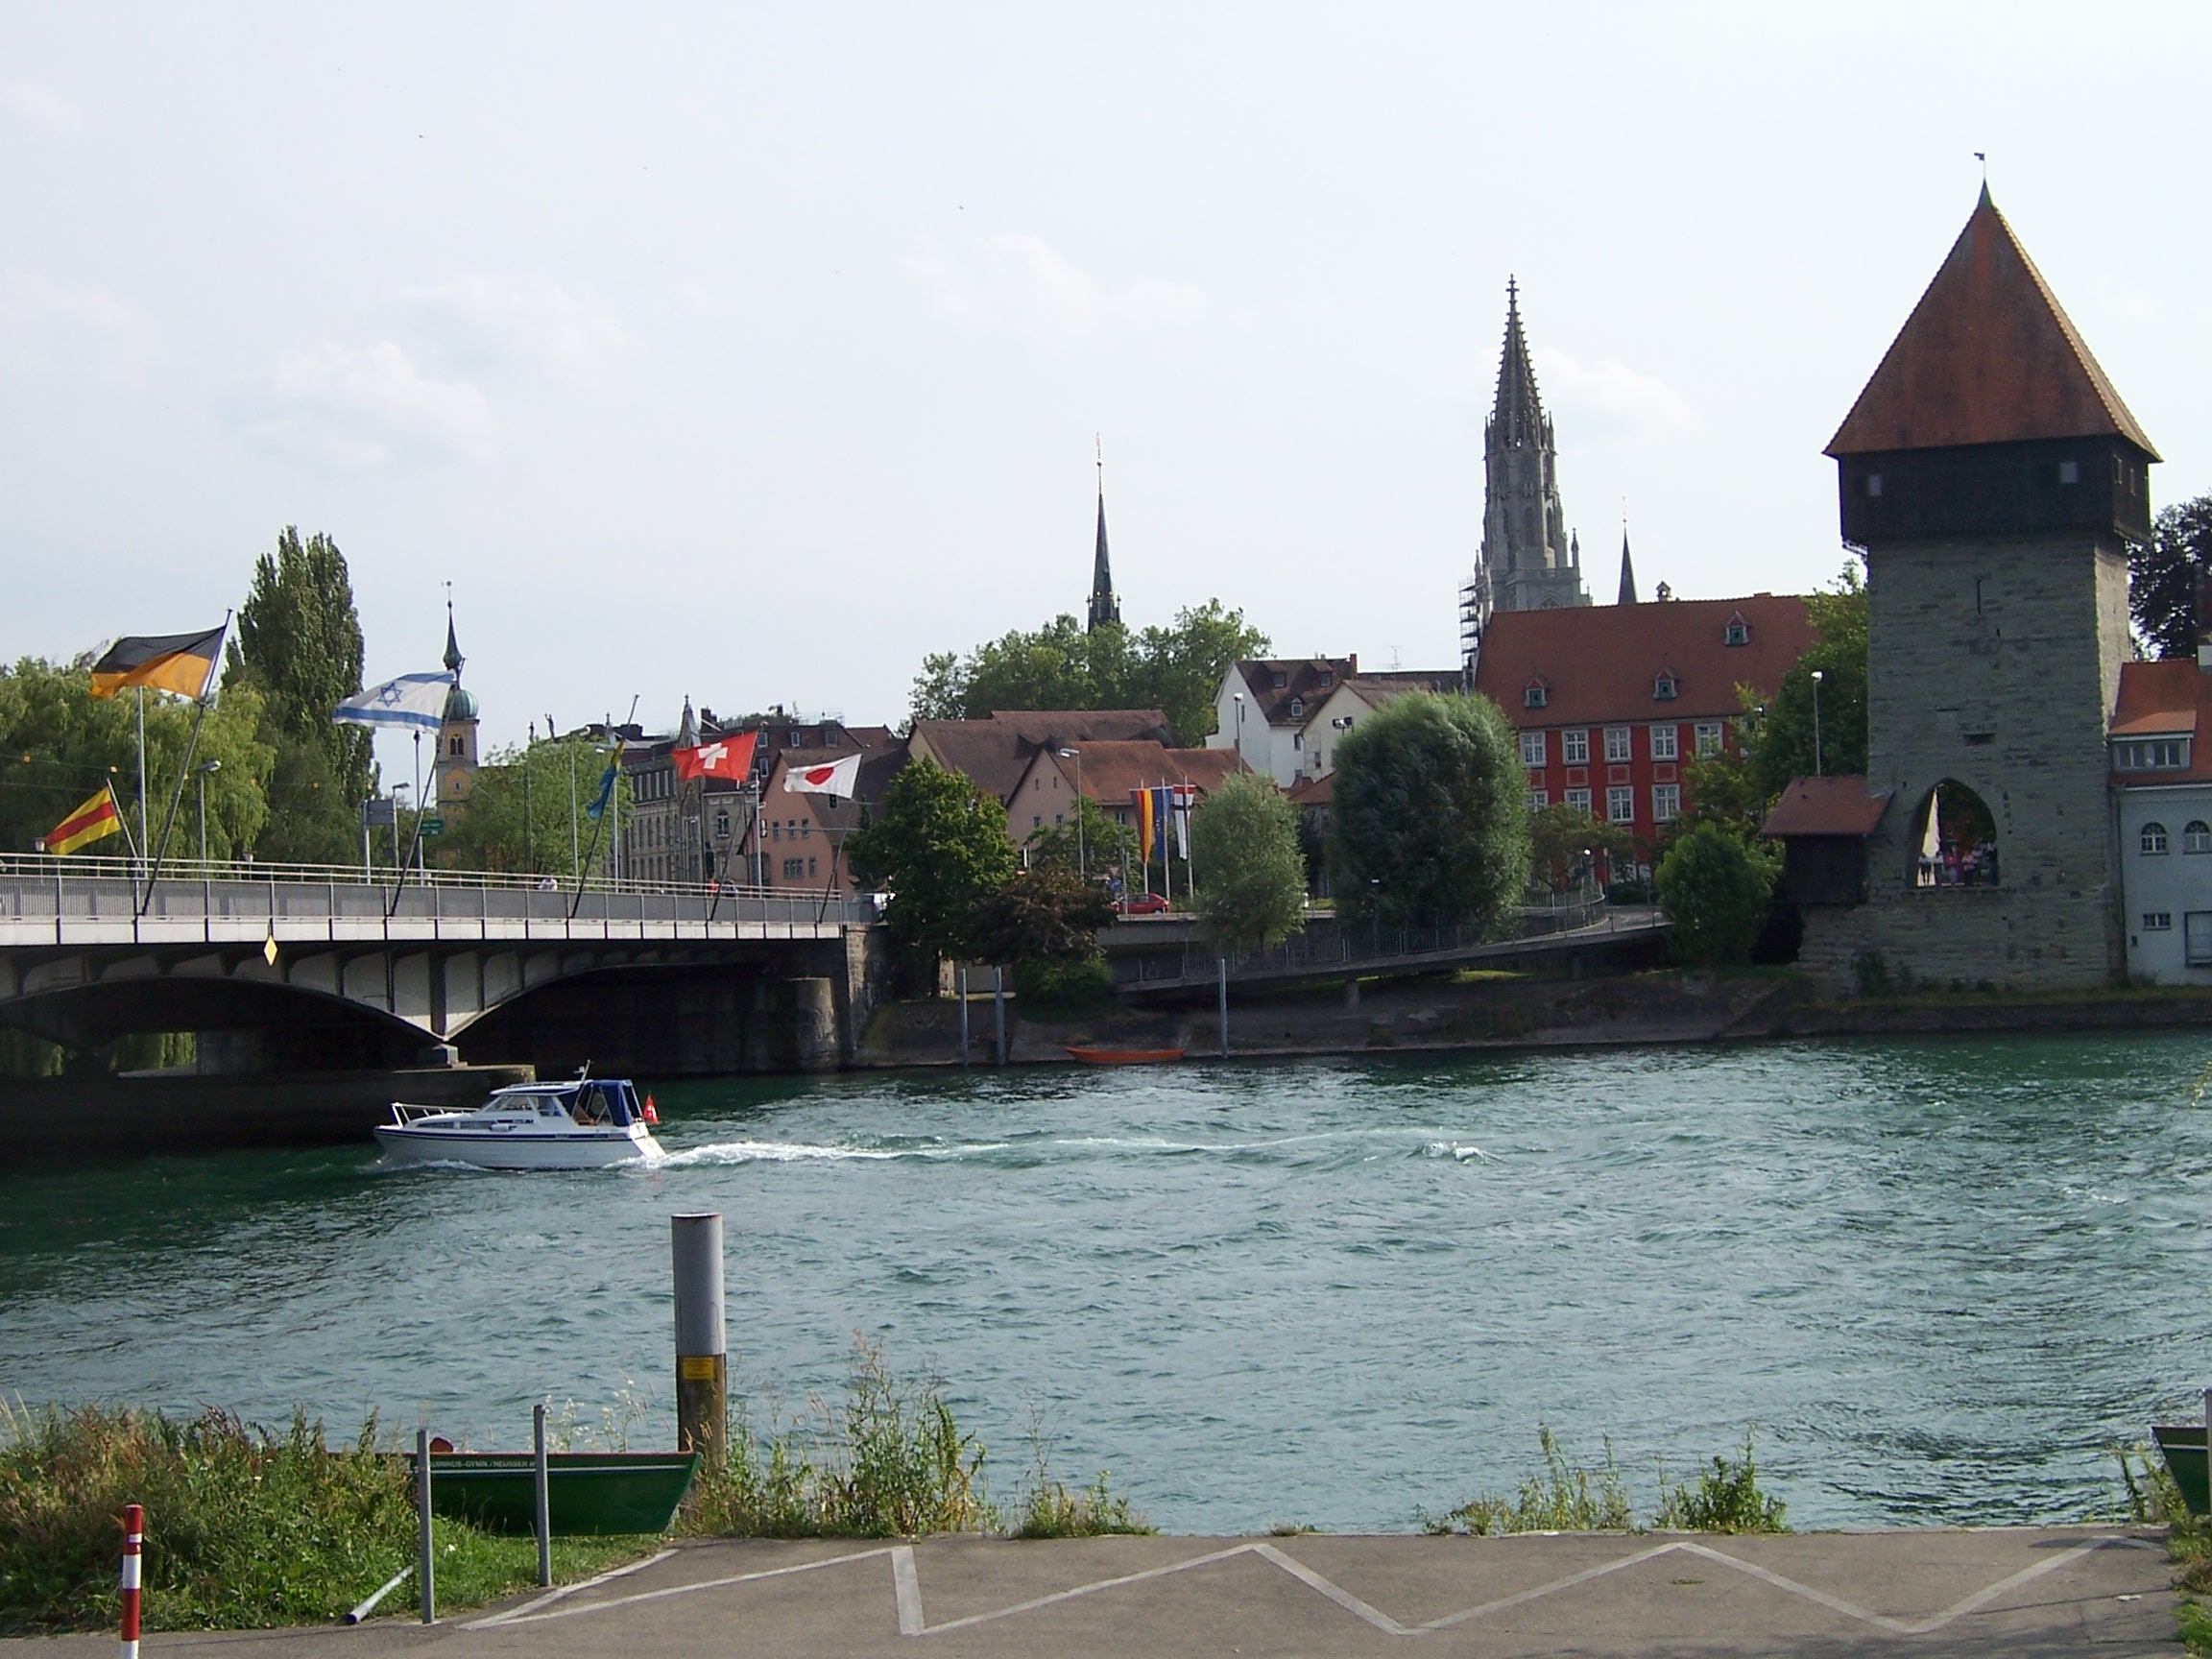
[[2019, 1592]]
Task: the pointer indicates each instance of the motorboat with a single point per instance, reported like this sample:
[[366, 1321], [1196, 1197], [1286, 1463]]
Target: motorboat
[[584, 1123]]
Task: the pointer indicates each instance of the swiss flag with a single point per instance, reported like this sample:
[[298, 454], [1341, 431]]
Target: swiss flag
[[728, 758]]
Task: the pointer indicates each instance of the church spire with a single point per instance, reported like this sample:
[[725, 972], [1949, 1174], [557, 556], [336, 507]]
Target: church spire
[[453, 657], [1105, 603], [1627, 572], [1519, 411]]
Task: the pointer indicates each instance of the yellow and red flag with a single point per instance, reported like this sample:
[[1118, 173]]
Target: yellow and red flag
[[94, 821], [184, 663]]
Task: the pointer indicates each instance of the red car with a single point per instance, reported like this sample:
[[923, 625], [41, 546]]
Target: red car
[[1144, 905]]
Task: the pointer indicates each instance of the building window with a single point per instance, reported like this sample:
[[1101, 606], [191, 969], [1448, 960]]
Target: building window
[[1535, 694], [1666, 802], [1616, 743], [1666, 743], [1297, 738], [2069, 471], [1278, 681], [1580, 800], [1873, 485], [1531, 748], [2196, 938], [2197, 836], [453, 746], [809, 866], [1326, 677], [1665, 688], [1297, 708], [1575, 748], [1621, 804], [2153, 840], [1538, 799], [2157, 921], [1736, 633], [1037, 822], [794, 867], [2151, 754], [721, 825], [1708, 737]]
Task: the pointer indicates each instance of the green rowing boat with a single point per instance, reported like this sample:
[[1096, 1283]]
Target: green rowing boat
[[589, 1493], [2182, 1446]]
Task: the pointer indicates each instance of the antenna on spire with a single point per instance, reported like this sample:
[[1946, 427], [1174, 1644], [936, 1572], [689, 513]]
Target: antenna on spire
[[1101, 442]]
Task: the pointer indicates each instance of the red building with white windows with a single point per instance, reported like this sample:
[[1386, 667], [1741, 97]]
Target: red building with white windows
[[1611, 700]]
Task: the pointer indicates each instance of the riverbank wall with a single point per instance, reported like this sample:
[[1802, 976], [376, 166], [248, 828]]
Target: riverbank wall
[[1507, 1013]]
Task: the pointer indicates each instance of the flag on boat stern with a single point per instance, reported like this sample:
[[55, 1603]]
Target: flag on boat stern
[[835, 778], [94, 821], [413, 701], [184, 663], [730, 758]]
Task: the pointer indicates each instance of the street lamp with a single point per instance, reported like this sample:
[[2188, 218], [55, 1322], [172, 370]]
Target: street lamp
[[1082, 868], [203, 768], [1241, 727], [1375, 885], [1816, 679]]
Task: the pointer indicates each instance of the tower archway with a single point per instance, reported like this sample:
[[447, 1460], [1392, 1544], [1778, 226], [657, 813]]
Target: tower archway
[[1954, 839]]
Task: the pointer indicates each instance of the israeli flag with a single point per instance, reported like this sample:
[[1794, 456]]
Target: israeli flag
[[415, 702]]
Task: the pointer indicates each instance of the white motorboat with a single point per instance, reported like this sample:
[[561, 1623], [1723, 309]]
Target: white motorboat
[[584, 1124]]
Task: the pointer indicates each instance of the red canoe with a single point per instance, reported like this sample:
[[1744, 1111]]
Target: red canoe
[[1123, 1056]]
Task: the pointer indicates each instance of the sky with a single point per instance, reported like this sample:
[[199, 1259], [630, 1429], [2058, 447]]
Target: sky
[[752, 352]]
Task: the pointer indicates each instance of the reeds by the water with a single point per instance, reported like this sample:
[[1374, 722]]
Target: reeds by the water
[[1564, 1497]]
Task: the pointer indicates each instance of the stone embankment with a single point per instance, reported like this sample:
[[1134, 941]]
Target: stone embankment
[[1505, 1013]]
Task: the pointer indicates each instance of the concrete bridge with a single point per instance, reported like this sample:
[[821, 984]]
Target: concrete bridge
[[283, 967]]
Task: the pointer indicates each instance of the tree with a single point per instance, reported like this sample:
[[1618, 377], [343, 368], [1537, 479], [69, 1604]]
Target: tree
[[1043, 914], [523, 805], [1562, 840], [1714, 888], [1105, 846], [2162, 576], [938, 844], [1245, 853], [1431, 815], [299, 643], [1064, 665], [59, 743], [1785, 748]]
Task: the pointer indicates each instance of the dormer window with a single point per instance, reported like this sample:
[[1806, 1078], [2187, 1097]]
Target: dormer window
[[1280, 680], [1297, 708], [1535, 694], [2151, 754], [1738, 632], [1665, 687], [1326, 678]]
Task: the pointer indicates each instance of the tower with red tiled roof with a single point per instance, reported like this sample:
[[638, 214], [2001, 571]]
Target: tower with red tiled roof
[[1993, 478]]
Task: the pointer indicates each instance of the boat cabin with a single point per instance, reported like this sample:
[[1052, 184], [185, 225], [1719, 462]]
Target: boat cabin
[[593, 1101]]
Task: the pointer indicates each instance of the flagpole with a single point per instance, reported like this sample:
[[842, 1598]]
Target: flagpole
[[142, 776], [191, 747]]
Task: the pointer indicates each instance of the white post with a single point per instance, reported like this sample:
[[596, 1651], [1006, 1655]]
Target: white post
[[427, 1558], [544, 1498], [963, 1019], [1224, 961], [999, 1001]]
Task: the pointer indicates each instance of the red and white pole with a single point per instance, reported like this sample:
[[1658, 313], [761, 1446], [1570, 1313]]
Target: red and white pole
[[133, 1541]]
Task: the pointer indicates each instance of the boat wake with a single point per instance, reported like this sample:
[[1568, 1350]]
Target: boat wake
[[800, 1152]]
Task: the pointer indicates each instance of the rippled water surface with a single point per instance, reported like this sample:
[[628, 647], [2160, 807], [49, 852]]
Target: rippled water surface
[[1941, 1276]]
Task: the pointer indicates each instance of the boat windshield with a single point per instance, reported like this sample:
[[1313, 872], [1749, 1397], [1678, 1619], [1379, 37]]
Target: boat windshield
[[602, 1103]]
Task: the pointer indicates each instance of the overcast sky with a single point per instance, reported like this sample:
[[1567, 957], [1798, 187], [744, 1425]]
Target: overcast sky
[[753, 351]]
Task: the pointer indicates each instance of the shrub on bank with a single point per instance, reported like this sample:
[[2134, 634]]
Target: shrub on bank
[[1564, 1497]]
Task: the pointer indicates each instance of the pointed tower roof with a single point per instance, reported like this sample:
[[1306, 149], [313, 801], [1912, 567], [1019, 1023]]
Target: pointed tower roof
[[453, 657], [1105, 606], [1520, 408], [688, 728], [1627, 572], [1988, 356]]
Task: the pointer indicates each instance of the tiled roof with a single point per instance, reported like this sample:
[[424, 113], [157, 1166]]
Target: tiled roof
[[1110, 770], [996, 753], [1601, 662], [1310, 791], [1827, 806], [1988, 356], [2169, 699], [1302, 679], [1380, 688]]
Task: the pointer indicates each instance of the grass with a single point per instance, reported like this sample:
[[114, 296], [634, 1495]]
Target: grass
[[2154, 1501], [1564, 1497]]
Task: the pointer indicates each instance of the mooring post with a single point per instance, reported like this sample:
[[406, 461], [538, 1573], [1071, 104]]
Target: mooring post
[[963, 1019], [702, 1365], [425, 1559], [134, 1542], [999, 1008], [1224, 961], [544, 1495]]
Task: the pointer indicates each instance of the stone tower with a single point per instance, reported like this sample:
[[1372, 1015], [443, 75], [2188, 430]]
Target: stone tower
[[1105, 603], [1994, 479], [456, 768], [1527, 563]]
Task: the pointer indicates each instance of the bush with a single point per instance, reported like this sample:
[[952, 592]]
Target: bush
[[1726, 1498], [1560, 1499], [1245, 854], [1064, 990], [1716, 891]]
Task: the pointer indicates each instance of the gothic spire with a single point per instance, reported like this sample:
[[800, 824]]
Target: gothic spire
[[453, 657], [1627, 572], [687, 729], [1519, 413], [1105, 603]]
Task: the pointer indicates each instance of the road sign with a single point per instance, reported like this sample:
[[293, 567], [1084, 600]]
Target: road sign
[[433, 827], [378, 812]]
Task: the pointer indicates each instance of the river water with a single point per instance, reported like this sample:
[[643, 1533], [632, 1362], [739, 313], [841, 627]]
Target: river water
[[1940, 1276]]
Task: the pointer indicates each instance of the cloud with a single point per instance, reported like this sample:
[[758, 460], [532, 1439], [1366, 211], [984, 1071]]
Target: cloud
[[532, 322], [362, 406], [1015, 283], [47, 326], [41, 109], [1609, 400]]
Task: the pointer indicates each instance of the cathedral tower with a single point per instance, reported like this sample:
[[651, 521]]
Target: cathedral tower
[[1528, 562], [1105, 603]]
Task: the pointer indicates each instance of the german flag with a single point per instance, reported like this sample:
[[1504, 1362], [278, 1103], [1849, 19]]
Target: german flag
[[180, 662], [94, 821]]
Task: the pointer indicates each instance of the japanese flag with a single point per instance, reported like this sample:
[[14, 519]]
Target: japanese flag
[[832, 777]]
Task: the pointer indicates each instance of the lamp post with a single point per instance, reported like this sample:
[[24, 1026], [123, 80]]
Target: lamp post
[[1816, 679], [1240, 696], [1375, 886], [203, 769], [1082, 866]]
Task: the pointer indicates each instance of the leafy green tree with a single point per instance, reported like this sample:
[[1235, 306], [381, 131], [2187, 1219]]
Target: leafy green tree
[[521, 805], [1431, 815], [1105, 848], [1562, 838], [2162, 576], [939, 845], [1785, 751], [59, 743], [1714, 888], [1245, 849], [298, 642], [1176, 669], [1043, 914]]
